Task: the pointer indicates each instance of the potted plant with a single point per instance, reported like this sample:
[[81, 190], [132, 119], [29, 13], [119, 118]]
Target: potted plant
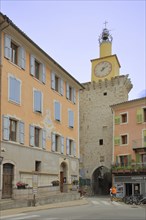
[[21, 185]]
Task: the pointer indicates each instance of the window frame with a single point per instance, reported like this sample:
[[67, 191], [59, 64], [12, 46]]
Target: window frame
[[121, 139], [35, 105], [122, 116], [10, 96]]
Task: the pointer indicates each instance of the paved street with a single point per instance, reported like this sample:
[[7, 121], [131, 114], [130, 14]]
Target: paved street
[[99, 208]]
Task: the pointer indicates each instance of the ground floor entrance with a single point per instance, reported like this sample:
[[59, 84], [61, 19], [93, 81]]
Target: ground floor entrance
[[8, 175]]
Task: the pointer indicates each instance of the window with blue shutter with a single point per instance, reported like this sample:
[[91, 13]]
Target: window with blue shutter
[[32, 65], [71, 118], [61, 87], [74, 149], [67, 146], [7, 46], [43, 69], [31, 135], [67, 90], [62, 145], [37, 101], [14, 90], [21, 57], [44, 139], [53, 144], [74, 95], [53, 80], [6, 127], [21, 132], [57, 111]]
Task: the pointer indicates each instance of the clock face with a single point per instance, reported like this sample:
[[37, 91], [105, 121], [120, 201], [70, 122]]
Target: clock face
[[102, 69]]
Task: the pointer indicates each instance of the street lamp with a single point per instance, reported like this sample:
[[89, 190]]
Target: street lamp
[[1, 160]]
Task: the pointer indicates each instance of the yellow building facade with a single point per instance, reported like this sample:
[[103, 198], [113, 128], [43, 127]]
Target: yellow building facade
[[39, 126]]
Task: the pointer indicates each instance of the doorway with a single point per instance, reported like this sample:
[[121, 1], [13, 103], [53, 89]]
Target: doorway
[[128, 187], [8, 175]]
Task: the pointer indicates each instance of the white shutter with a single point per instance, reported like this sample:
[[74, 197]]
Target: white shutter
[[44, 139], [61, 87], [21, 57], [71, 118], [37, 101], [53, 142], [31, 135], [6, 125], [74, 148], [67, 146], [8, 46], [43, 72], [21, 132], [62, 145], [57, 111], [32, 65], [53, 80], [67, 90], [74, 95]]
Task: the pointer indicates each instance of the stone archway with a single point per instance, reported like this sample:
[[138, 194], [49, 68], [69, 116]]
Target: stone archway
[[101, 181], [63, 176]]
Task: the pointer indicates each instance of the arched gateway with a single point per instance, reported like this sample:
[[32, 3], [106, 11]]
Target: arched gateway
[[101, 181]]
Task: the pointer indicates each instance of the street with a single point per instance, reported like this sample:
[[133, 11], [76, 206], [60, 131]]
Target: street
[[99, 208]]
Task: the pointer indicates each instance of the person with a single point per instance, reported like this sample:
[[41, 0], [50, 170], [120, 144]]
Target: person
[[113, 192]]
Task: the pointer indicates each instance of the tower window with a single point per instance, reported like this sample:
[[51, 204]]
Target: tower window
[[37, 165], [105, 93], [100, 141]]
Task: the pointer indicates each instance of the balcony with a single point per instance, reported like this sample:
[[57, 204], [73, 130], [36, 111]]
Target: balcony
[[131, 168], [139, 144]]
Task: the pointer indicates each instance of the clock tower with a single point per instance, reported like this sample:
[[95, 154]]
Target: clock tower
[[107, 65]]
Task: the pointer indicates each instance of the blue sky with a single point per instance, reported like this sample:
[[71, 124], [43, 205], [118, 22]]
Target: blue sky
[[68, 31]]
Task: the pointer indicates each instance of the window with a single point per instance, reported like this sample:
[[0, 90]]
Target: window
[[57, 111], [100, 141], [57, 83], [57, 143], [13, 130], [70, 93], [144, 113], [37, 166], [14, 52], [105, 93], [70, 118], [37, 101], [70, 147], [37, 69], [14, 89], [124, 139], [101, 158], [124, 118], [123, 160], [37, 136]]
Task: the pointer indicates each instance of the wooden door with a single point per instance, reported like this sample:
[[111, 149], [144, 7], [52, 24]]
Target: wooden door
[[61, 181], [7, 180]]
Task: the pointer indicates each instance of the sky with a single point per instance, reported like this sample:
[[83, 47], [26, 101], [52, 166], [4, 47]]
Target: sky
[[69, 30]]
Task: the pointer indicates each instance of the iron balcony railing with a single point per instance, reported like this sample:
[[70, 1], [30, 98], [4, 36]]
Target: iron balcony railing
[[131, 166]]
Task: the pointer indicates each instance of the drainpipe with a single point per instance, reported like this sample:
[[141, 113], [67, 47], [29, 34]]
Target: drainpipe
[[7, 21]]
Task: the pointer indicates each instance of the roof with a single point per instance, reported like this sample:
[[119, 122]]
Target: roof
[[9, 22]]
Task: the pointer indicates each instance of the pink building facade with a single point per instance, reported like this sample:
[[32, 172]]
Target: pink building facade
[[129, 147]]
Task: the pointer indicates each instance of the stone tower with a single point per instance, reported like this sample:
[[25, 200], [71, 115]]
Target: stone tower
[[107, 87]]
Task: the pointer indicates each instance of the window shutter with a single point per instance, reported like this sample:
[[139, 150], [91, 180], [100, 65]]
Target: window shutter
[[62, 145], [129, 160], [43, 75], [117, 140], [37, 101], [21, 57], [6, 125], [67, 146], [17, 91], [53, 80], [61, 87], [74, 149], [53, 142], [7, 46], [117, 120], [138, 158], [44, 139], [31, 135], [144, 138], [57, 111], [139, 116], [71, 118], [67, 90], [74, 95], [11, 88], [21, 132], [32, 65]]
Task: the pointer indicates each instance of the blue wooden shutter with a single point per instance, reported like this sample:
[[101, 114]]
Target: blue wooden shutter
[[67, 90], [74, 148], [21, 57], [17, 91], [62, 145], [61, 87], [52, 80], [67, 146], [57, 111], [37, 101], [14, 90], [71, 118], [74, 95], [32, 65], [31, 135], [21, 132], [8, 46], [44, 139], [43, 73], [6, 125], [53, 142]]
